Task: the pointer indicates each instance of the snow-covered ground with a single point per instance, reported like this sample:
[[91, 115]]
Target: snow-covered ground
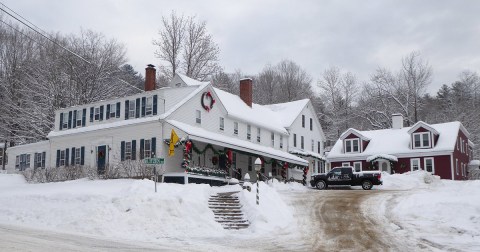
[[415, 206], [444, 213]]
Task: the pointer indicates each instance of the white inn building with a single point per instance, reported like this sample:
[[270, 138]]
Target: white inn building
[[226, 132]]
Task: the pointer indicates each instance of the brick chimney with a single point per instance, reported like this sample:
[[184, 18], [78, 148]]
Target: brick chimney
[[150, 75], [246, 90]]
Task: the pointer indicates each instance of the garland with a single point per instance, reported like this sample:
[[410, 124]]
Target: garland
[[372, 164], [212, 101], [207, 171]]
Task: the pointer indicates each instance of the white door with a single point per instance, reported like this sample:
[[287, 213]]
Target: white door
[[385, 166]]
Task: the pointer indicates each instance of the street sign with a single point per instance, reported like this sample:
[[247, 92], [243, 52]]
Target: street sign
[[154, 161]]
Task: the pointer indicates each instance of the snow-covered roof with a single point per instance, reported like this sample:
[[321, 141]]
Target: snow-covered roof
[[288, 111], [306, 153], [183, 80], [421, 124], [353, 131], [382, 156], [203, 135], [397, 142], [257, 114]]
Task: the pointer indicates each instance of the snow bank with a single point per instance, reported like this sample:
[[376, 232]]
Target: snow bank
[[409, 180]]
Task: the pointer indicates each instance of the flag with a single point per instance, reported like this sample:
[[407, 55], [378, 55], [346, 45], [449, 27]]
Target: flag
[[173, 141]]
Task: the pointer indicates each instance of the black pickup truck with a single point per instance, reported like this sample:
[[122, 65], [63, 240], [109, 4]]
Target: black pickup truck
[[346, 176]]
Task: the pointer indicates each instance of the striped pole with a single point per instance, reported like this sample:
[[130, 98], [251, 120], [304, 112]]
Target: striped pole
[[258, 195]]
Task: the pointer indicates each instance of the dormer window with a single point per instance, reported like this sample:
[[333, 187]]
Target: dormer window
[[421, 140], [352, 145]]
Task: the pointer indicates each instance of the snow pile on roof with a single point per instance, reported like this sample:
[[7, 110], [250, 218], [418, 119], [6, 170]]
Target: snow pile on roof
[[288, 111], [397, 141], [189, 81], [306, 153], [257, 114], [382, 156]]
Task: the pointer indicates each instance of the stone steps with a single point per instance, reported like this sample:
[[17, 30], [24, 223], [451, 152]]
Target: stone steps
[[228, 211]]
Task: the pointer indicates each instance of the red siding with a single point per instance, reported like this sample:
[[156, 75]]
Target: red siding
[[352, 136], [462, 158]]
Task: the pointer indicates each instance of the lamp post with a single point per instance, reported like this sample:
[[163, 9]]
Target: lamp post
[[258, 166]]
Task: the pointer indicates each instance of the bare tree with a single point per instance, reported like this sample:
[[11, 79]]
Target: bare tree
[[186, 44]]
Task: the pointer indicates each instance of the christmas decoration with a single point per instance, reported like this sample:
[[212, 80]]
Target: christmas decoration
[[206, 171], [187, 154], [305, 171], [207, 96], [214, 160]]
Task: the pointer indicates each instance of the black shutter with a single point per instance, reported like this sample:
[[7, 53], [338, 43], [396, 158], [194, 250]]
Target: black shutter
[[43, 159], [84, 114], [143, 106], [74, 119], [58, 158], [91, 114], [66, 156], [101, 113], [118, 110], [82, 154], [155, 98], [73, 155], [126, 109], [154, 147], [137, 108], [134, 149], [70, 119], [35, 160], [61, 121], [141, 148], [122, 151], [108, 112]]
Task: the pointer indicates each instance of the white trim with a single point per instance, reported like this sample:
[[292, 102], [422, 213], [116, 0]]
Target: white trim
[[411, 164], [358, 162], [421, 153], [429, 135], [451, 165], [425, 164], [351, 140], [456, 166], [345, 164], [423, 125]]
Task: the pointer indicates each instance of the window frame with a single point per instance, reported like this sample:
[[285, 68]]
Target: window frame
[[355, 163], [294, 140], [345, 164], [128, 150], [259, 138], [149, 106], [302, 142], [411, 164], [456, 167], [62, 160], [221, 125], [272, 137], [303, 121], [422, 134], [198, 116], [351, 141], [96, 114], [65, 120], [131, 109], [78, 116], [250, 161], [249, 132], [147, 148], [281, 142], [78, 156], [311, 124], [313, 145], [425, 164], [235, 128]]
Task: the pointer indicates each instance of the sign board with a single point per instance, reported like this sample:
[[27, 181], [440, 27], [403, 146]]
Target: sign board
[[154, 161]]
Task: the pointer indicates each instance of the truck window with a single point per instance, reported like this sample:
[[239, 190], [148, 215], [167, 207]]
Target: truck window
[[346, 170]]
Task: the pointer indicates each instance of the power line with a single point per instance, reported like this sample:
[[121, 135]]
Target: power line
[[51, 40]]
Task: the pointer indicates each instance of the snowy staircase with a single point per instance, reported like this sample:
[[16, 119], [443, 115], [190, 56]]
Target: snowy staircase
[[227, 210]]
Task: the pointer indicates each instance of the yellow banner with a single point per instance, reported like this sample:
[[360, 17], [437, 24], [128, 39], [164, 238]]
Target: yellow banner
[[173, 140]]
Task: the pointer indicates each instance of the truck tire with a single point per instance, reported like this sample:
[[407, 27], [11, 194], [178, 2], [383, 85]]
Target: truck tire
[[321, 185], [367, 185]]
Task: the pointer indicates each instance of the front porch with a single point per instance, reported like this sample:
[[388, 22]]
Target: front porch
[[382, 162]]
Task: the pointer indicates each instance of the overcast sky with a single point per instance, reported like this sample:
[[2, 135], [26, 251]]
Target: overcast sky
[[357, 36]]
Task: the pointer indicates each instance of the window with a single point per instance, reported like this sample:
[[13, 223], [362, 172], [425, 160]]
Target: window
[[97, 114], [222, 123], [311, 124], [39, 160], [235, 128], [421, 140], [344, 164], [198, 116], [461, 168], [258, 135], [234, 160], [456, 166], [428, 164], [62, 158], [78, 118], [249, 132], [113, 110], [352, 145], [147, 149], [65, 121], [301, 143], [149, 106], [357, 166], [303, 121], [414, 164], [461, 145], [281, 142], [78, 156], [313, 145], [131, 109], [318, 147], [17, 162], [249, 163], [294, 140], [272, 136], [22, 162], [128, 150]]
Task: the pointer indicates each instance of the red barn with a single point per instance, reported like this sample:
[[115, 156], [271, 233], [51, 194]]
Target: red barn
[[443, 149]]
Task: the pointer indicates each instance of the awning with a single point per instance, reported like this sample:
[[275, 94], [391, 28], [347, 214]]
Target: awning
[[202, 135]]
